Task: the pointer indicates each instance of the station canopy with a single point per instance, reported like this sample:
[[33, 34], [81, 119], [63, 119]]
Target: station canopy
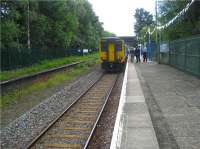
[[129, 40]]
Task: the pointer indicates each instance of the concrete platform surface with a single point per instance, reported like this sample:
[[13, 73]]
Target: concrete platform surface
[[133, 128], [173, 100], [159, 108]]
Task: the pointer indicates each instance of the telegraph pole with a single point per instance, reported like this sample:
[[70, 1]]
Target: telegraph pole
[[28, 28]]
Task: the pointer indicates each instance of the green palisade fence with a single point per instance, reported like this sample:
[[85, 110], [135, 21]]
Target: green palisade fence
[[18, 58], [185, 54]]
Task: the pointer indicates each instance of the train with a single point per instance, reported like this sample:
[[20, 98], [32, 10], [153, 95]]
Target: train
[[113, 53]]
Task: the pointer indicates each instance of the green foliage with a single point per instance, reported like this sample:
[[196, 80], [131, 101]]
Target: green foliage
[[108, 34], [169, 9], [53, 24], [42, 84], [9, 39], [186, 25], [143, 19], [89, 28]]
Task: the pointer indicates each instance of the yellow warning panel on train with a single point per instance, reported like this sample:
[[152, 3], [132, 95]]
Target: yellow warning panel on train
[[112, 52]]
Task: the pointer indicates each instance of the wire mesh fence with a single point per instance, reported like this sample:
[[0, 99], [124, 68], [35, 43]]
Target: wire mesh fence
[[185, 54], [164, 53]]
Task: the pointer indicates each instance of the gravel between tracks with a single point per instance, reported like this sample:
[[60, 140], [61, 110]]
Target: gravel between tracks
[[24, 129], [103, 133], [82, 115]]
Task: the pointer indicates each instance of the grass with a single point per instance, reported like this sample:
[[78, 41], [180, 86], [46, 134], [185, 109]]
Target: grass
[[55, 79], [44, 65]]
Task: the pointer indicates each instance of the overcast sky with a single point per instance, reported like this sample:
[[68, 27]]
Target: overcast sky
[[117, 15]]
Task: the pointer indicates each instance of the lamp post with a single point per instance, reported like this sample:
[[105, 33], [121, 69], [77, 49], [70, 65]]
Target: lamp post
[[149, 51], [158, 52], [149, 35]]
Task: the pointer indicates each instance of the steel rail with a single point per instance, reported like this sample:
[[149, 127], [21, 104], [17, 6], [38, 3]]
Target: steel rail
[[59, 116], [98, 118], [26, 77]]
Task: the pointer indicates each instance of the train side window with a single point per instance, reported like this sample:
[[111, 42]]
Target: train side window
[[118, 46], [104, 46]]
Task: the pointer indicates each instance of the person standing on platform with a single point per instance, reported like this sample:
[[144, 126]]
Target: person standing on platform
[[145, 54], [137, 54], [132, 55]]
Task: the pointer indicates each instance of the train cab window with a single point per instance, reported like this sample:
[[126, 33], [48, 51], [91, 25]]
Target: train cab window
[[118, 46], [104, 46]]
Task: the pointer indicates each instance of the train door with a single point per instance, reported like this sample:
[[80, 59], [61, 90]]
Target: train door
[[119, 50], [111, 52]]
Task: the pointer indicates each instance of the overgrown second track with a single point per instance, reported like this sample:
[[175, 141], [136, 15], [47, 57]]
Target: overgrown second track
[[10, 82]]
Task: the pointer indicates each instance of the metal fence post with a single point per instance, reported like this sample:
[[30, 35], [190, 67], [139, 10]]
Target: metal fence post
[[169, 61], [159, 47], [185, 54], [199, 61]]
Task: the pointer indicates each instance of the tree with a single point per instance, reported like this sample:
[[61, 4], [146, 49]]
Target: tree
[[144, 21], [10, 30], [143, 18], [108, 34], [61, 24], [53, 24], [89, 28], [184, 26], [10, 35]]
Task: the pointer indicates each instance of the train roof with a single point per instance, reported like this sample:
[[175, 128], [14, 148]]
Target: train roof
[[111, 39]]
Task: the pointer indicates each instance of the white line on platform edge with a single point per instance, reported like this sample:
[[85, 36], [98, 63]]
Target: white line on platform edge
[[117, 133]]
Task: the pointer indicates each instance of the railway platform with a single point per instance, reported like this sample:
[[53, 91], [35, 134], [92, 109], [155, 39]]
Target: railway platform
[[159, 108], [133, 127]]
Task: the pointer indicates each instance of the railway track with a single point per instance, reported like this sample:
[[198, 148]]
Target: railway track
[[35, 75], [73, 129]]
